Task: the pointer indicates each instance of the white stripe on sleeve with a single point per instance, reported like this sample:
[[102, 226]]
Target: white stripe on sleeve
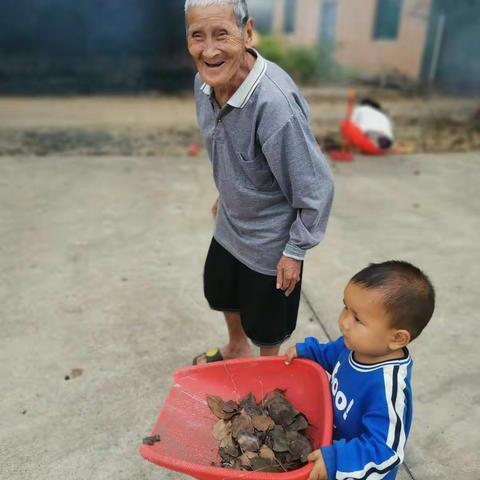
[[394, 382]]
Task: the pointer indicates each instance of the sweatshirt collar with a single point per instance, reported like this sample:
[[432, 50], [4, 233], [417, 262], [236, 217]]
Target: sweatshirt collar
[[240, 98], [374, 366]]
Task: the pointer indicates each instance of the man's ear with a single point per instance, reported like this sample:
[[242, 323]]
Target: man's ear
[[249, 33], [399, 339]]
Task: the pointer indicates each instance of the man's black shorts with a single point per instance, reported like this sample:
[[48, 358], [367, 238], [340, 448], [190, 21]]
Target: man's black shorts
[[268, 316]]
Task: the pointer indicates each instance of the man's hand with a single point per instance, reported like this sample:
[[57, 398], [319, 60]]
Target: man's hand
[[288, 274], [319, 470], [215, 209], [290, 355]]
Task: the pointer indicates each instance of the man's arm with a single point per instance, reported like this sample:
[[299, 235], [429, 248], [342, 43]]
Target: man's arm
[[214, 209], [305, 179]]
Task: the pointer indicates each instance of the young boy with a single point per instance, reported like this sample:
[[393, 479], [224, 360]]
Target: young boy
[[386, 306]]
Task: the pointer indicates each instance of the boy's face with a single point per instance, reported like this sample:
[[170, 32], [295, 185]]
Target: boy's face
[[365, 324]]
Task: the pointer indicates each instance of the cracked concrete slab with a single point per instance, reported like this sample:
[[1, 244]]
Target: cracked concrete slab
[[102, 271]]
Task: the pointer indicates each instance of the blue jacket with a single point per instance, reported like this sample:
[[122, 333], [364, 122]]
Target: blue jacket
[[372, 411]]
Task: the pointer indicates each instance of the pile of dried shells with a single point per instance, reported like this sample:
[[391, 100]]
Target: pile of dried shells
[[267, 437]]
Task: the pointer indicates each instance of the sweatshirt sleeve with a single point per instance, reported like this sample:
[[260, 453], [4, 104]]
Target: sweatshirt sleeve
[[305, 179], [326, 354], [378, 450]]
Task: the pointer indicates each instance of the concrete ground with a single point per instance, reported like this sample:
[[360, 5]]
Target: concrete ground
[[101, 270]]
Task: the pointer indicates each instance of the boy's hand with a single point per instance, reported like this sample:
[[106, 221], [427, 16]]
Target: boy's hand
[[290, 355], [319, 470]]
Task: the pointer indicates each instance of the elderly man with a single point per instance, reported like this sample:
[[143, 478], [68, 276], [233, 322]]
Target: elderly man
[[275, 187]]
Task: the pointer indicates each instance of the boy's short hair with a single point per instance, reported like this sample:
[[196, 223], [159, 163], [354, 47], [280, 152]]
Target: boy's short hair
[[409, 296]]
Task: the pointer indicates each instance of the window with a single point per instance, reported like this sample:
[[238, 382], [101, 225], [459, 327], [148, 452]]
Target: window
[[387, 19], [328, 21], [289, 16]]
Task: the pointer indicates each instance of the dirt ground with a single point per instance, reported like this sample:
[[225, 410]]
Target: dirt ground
[[138, 125]]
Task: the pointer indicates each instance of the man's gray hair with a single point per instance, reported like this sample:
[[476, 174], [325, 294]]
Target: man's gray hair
[[239, 7]]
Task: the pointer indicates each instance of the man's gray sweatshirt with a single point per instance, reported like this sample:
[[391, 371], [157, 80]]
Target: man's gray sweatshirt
[[275, 186]]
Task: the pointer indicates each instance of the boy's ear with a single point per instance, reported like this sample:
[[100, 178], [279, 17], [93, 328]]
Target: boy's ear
[[399, 339]]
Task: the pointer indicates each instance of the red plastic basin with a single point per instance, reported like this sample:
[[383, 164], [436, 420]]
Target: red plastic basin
[[185, 423]]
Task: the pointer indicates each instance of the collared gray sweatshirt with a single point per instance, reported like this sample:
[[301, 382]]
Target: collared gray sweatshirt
[[275, 186]]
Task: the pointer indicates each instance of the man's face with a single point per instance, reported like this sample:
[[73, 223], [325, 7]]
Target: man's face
[[216, 43]]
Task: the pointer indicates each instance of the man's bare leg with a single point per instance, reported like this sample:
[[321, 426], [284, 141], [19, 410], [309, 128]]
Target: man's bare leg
[[238, 345], [269, 351]]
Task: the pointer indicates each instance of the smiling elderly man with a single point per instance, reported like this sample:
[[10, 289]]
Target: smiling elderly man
[[275, 187]]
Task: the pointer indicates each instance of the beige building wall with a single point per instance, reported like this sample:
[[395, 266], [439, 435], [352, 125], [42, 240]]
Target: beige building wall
[[278, 10], [307, 21], [355, 46]]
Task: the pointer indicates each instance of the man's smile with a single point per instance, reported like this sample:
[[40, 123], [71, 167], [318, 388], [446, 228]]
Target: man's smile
[[214, 64]]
